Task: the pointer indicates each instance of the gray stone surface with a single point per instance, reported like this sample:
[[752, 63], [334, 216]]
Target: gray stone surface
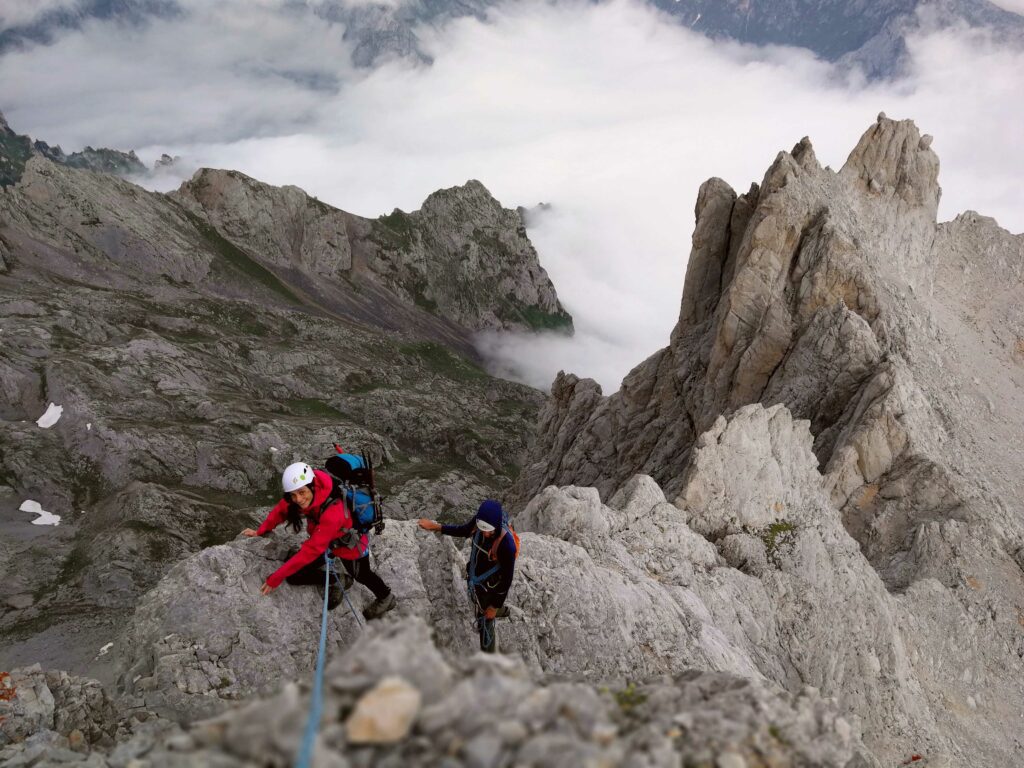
[[481, 710], [191, 371], [897, 339], [792, 538], [461, 256]]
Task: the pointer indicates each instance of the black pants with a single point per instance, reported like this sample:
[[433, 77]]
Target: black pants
[[357, 569]]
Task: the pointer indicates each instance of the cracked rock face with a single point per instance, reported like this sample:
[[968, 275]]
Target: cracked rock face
[[489, 711], [461, 256], [792, 538], [193, 363], [839, 296]]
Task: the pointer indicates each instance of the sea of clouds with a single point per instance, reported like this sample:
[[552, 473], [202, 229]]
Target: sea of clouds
[[610, 112]]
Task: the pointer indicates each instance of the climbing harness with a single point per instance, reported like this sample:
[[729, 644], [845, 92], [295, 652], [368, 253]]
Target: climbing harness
[[472, 579], [316, 701]]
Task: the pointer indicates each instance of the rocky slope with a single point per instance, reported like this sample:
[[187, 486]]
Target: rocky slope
[[394, 699], [461, 256], [897, 338], [792, 538], [192, 369]]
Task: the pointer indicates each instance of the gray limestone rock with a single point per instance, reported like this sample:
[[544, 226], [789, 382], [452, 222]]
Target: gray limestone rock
[[191, 372], [482, 710], [461, 256], [839, 296]]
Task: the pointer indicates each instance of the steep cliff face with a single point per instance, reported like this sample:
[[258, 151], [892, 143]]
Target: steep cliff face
[[796, 530], [897, 339], [836, 294], [192, 369], [461, 256]]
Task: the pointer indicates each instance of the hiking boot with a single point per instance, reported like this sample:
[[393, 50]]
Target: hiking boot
[[378, 608]]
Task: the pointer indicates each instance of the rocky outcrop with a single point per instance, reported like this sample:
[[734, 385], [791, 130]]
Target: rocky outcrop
[[750, 573], [190, 374], [461, 256], [838, 295], [16, 150], [101, 160], [34, 703], [829, 292], [488, 711]]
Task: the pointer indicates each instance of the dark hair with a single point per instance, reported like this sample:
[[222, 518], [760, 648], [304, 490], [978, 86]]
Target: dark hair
[[294, 513]]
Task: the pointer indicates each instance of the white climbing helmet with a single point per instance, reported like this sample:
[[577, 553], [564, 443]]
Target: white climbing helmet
[[296, 476]]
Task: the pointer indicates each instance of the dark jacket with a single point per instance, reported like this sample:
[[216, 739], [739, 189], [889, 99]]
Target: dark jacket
[[486, 554]]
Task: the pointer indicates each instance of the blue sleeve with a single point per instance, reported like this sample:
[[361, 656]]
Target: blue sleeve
[[463, 531]]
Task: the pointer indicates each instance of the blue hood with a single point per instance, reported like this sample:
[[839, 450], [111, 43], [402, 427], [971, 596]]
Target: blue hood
[[491, 512]]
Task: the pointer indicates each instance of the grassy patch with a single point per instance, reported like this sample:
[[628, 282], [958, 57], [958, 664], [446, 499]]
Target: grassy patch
[[629, 698], [440, 360], [539, 320], [394, 231], [241, 261], [313, 408], [774, 535], [420, 299], [534, 317]]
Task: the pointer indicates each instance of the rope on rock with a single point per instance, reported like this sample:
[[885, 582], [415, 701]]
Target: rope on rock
[[486, 627], [305, 757]]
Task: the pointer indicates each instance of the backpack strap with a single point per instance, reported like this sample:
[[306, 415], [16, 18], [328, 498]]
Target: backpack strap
[[506, 530], [472, 579]]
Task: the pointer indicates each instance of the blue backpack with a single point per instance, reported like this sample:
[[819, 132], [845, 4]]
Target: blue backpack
[[353, 484]]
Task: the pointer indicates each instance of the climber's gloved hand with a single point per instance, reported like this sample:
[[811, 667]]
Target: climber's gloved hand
[[429, 525]]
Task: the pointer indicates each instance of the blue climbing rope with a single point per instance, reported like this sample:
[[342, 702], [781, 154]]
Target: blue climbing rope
[[486, 632], [316, 702]]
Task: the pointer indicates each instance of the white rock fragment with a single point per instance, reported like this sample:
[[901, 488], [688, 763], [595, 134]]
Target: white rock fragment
[[51, 417], [384, 714], [105, 650], [273, 449], [45, 518], [88, 427]]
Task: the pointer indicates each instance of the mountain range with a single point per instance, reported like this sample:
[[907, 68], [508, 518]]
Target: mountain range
[[793, 537], [868, 33]]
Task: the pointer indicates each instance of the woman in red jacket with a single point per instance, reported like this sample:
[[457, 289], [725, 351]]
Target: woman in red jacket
[[308, 497]]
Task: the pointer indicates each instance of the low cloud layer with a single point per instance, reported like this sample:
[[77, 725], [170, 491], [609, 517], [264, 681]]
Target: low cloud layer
[[615, 125]]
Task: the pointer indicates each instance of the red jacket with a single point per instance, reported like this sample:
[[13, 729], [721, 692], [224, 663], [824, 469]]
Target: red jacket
[[323, 526]]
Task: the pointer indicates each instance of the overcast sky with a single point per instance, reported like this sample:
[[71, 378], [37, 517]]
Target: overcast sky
[[608, 112]]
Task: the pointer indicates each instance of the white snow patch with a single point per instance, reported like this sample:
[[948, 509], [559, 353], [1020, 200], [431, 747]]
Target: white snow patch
[[88, 426], [273, 449], [105, 650], [45, 518], [51, 417]]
